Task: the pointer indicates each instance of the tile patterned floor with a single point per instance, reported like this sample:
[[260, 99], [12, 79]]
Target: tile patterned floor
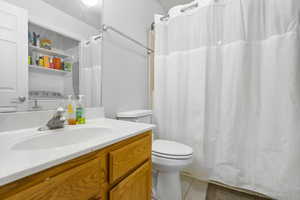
[[193, 189], [215, 192]]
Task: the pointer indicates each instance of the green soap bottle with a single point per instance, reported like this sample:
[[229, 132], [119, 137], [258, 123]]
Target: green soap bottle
[[80, 110]]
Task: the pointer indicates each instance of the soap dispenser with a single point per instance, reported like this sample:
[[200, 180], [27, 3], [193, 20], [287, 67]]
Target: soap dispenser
[[71, 111], [80, 110]]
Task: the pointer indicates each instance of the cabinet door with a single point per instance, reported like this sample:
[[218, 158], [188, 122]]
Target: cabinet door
[[13, 58], [80, 183], [128, 158], [137, 186]]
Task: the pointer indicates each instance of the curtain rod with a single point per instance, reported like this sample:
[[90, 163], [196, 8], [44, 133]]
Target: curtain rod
[[106, 28], [166, 17], [190, 7], [95, 37]]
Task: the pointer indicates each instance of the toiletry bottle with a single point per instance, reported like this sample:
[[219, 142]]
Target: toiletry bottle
[[30, 38], [80, 111], [41, 61], [36, 58], [51, 63], [34, 39], [29, 60], [38, 41], [46, 62], [62, 67], [71, 111]]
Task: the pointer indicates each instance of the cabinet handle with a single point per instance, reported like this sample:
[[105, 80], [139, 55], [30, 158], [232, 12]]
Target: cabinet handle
[[47, 179], [20, 99], [96, 198]]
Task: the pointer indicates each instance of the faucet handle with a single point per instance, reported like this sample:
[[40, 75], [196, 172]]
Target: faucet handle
[[63, 118], [60, 110], [60, 113], [57, 121]]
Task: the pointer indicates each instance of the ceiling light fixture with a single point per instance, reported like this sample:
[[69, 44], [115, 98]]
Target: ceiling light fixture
[[90, 3]]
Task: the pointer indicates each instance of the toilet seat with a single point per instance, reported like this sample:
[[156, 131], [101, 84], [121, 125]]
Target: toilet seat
[[172, 157], [171, 150]]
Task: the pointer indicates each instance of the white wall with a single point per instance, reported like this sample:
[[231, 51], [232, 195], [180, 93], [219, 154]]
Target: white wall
[[168, 4], [124, 63], [40, 11]]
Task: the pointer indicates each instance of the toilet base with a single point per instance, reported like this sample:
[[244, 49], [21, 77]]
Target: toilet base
[[169, 186]]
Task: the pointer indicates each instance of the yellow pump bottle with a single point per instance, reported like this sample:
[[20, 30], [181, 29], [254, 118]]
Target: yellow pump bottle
[[71, 111]]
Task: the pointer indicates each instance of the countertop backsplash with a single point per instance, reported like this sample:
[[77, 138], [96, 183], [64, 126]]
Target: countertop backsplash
[[25, 120]]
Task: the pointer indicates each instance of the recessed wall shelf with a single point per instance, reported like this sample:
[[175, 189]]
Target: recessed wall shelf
[[48, 80], [34, 68], [52, 52]]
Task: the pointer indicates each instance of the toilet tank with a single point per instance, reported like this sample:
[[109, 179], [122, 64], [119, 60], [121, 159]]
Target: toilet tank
[[142, 116]]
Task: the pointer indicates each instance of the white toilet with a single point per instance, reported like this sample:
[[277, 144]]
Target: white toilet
[[168, 158]]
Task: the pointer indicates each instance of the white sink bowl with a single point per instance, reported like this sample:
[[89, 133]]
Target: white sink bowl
[[61, 138]]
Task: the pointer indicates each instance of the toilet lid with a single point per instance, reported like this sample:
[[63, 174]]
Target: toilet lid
[[171, 149], [134, 114]]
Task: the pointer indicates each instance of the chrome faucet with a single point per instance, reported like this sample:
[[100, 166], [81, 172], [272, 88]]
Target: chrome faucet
[[57, 121]]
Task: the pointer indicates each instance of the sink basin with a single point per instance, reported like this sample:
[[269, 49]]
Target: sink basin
[[61, 138]]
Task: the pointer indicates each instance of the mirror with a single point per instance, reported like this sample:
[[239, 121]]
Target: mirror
[[61, 42]]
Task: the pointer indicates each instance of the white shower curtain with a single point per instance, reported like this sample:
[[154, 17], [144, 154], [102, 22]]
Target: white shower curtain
[[227, 83], [90, 72]]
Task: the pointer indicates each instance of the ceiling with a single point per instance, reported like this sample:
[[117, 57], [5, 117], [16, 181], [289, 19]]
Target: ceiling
[[92, 16], [168, 4], [77, 9]]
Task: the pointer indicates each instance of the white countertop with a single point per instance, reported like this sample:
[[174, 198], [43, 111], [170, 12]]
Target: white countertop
[[16, 164]]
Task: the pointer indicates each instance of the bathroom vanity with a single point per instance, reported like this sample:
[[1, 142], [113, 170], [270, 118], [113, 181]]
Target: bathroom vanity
[[116, 166]]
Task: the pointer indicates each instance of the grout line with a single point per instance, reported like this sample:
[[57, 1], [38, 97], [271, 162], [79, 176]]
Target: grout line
[[193, 177], [186, 174], [249, 192], [188, 189]]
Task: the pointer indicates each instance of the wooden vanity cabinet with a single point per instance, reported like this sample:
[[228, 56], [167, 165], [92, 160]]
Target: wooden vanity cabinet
[[121, 171]]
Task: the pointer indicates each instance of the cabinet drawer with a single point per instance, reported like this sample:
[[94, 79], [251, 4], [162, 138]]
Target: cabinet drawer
[[136, 186], [80, 183], [129, 157]]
